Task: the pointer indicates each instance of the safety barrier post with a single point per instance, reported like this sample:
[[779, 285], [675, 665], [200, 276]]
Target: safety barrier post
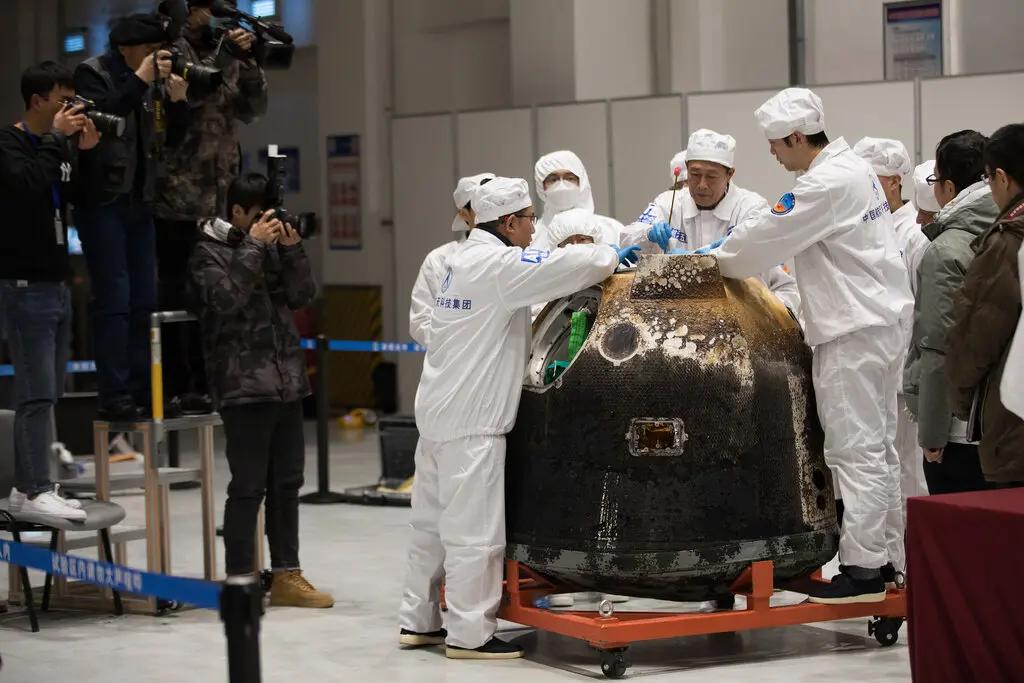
[[240, 610], [323, 494]]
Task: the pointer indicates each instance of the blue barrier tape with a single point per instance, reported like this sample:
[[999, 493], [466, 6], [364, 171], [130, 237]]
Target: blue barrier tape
[[196, 592], [78, 367]]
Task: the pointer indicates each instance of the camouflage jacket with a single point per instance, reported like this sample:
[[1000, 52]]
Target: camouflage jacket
[[200, 165], [246, 293]]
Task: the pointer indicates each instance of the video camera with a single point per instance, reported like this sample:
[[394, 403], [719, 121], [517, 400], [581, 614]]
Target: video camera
[[107, 124], [303, 223], [175, 14], [274, 46]]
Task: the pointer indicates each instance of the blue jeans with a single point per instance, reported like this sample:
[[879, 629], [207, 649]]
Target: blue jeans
[[119, 242], [37, 319]]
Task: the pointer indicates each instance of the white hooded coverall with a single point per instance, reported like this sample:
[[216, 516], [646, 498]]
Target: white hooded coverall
[[466, 402], [854, 290], [693, 228]]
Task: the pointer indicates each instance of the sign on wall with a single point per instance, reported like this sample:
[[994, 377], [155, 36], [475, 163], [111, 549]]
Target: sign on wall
[[913, 39], [344, 205]]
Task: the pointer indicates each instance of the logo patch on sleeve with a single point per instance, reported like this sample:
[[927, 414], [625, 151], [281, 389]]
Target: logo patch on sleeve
[[447, 282], [534, 255], [785, 204]]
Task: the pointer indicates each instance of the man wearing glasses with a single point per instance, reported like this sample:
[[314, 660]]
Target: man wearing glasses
[[466, 402], [967, 210]]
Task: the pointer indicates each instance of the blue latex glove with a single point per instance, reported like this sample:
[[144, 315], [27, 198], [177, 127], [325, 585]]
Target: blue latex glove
[[711, 247], [660, 234], [628, 255]]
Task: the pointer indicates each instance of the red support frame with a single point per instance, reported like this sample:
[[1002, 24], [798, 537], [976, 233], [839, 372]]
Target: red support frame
[[523, 587]]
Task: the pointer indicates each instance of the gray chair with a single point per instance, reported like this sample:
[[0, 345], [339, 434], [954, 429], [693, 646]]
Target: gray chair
[[100, 517]]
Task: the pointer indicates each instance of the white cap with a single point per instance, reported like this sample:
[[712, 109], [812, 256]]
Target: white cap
[[576, 222], [463, 194], [500, 197], [678, 161], [924, 197], [707, 145], [886, 157], [789, 111]]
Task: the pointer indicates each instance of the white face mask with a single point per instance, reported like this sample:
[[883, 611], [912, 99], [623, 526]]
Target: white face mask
[[564, 195]]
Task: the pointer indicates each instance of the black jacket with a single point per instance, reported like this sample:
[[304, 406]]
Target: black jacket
[[129, 164], [30, 249], [247, 292]]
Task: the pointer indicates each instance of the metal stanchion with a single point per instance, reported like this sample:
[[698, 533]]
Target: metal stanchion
[[323, 494], [240, 610]]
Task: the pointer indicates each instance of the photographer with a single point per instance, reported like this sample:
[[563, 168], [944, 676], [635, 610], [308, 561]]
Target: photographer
[[250, 274], [38, 158], [199, 170], [114, 215]]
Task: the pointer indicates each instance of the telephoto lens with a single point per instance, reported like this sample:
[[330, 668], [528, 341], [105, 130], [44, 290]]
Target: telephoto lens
[[305, 224], [110, 125], [204, 77]]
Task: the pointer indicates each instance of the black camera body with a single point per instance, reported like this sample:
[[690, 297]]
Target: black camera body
[[305, 224], [110, 125]]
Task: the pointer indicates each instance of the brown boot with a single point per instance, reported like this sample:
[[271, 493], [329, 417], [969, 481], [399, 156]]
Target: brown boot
[[290, 589]]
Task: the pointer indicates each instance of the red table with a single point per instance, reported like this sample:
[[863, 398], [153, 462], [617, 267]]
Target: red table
[[965, 591]]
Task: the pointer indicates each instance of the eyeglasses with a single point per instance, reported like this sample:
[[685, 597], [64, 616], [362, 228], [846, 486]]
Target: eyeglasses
[[932, 179], [532, 219]]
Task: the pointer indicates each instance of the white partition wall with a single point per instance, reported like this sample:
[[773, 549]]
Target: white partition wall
[[583, 128], [732, 113], [646, 133], [423, 173], [879, 110], [984, 103], [497, 141]]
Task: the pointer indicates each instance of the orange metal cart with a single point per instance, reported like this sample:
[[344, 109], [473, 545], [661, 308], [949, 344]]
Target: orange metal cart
[[611, 633]]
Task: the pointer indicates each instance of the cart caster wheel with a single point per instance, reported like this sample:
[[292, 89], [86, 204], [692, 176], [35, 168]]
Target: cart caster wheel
[[886, 630], [613, 663], [165, 607]]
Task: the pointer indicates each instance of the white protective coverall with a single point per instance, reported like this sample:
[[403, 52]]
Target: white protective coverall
[[563, 195], [693, 228], [854, 290], [1011, 388], [466, 403], [888, 158], [424, 290]]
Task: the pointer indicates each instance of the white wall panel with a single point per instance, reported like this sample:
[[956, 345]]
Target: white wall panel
[[582, 128], [497, 141], [646, 133], [423, 173], [983, 103]]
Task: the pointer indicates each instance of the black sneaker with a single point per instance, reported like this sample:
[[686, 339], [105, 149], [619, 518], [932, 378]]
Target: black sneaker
[[492, 649], [121, 410], [414, 639], [196, 404], [845, 589]]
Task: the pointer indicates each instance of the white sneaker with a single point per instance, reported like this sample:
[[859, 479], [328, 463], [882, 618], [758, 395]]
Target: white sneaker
[[562, 600], [71, 502], [49, 503], [16, 500]]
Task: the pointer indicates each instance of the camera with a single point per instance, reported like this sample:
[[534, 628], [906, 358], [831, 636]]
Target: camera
[[274, 47], [107, 124], [204, 77], [303, 223]]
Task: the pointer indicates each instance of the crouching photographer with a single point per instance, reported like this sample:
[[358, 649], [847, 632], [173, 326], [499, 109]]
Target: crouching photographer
[[227, 87], [113, 205], [250, 272], [38, 159]]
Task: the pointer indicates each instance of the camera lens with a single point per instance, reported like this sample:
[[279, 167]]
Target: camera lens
[[107, 124], [204, 77]]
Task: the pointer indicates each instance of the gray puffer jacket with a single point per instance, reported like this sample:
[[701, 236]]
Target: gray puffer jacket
[[939, 278], [247, 292]]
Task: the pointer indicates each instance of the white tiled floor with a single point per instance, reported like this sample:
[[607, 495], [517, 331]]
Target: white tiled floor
[[358, 553]]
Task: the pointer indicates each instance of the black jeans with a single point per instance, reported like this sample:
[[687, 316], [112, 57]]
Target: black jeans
[[118, 240], [959, 471], [184, 371], [266, 452]]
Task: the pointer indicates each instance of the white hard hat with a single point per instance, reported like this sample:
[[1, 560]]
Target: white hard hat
[[789, 111], [575, 222], [464, 191], [707, 145], [924, 197], [678, 161], [886, 157], [500, 197]]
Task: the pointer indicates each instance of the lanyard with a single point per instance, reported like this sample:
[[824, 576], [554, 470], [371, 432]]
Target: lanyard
[[55, 188]]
